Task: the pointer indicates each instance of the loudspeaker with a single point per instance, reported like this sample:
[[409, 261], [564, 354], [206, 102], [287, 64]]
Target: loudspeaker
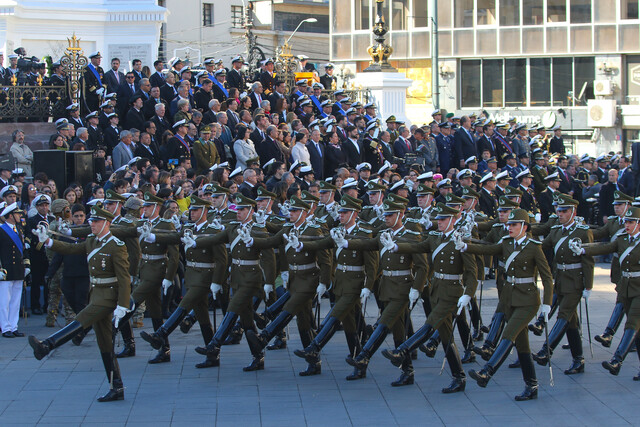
[[80, 167], [54, 164]]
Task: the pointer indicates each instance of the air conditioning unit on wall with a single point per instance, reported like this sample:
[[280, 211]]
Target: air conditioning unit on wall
[[602, 87], [601, 113]]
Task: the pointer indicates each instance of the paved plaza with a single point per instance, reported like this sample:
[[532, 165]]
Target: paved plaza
[[62, 388]]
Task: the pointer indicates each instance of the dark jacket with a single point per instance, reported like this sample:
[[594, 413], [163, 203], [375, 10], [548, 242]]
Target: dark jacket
[[12, 255]]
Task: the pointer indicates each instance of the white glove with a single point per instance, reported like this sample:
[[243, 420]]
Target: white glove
[[285, 279], [216, 223], [63, 228], [175, 220], [409, 184], [545, 310], [119, 313], [337, 234], [387, 241], [3, 274], [457, 238], [284, 208], [267, 290], [100, 92], [189, 242], [413, 297], [144, 230], [42, 232], [260, 217], [463, 301], [321, 289], [364, 294], [215, 289], [586, 294], [245, 235], [27, 271], [151, 238], [292, 240], [575, 245], [166, 284], [425, 220], [333, 211], [537, 217]]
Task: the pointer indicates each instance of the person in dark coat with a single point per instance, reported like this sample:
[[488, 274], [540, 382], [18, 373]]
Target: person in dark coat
[[464, 145], [335, 157]]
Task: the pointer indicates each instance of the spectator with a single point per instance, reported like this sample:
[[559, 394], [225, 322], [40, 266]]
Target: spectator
[[123, 152], [21, 152]]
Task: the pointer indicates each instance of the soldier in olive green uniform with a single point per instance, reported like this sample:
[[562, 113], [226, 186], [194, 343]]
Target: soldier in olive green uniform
[[309, 274], [520, 296], [327, 211], [60, 208], [110, 292], [628, 289], [355, 273], [403, 279], [611, 230], [373, 213], [451, 269], [157, 271], [247, 277], [200, 272], [573, 279]]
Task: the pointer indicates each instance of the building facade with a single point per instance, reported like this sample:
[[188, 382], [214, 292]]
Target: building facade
[[575, 63]]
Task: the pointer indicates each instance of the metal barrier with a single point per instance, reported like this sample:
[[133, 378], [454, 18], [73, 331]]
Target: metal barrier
[[31, 103]]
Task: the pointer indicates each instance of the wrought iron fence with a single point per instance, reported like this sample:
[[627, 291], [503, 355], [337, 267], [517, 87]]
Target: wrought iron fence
[[361, 95], [31, 103]]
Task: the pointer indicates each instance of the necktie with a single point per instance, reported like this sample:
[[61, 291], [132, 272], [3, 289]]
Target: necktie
[[132, 89], [408, 144], [319, 150], [117, 76]]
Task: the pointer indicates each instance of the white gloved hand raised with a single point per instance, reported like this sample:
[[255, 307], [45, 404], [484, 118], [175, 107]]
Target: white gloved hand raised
[[175, 220], [245, 235], [151, 238], [267, 290], [63, 228], [545, 310], [321, 289], [189, 241], [337, 234], [285, 279], [215, 289], [42, 232], [27, 271], [457, 238], [387, 241], [118, 314], [292, 239], [586, 294], [364, 294], [260, 217], [413, 297], [166, 284], [463, 301], [575, 245]]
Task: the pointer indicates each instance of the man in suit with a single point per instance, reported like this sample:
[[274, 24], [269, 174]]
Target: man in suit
[[146, 148], [353, 150], [566, 183], [157, 79], [149, 106], [249, 186], [168, 91], [402, 146], [114, 78], [15, 264], [256, 95], [316, 153], [211, 115], [125, 92], [279, 88], [160, 120], [183, 93], [464, 145], [93, 84], [235, 77], [269, 148], [123, 152], [625, 176], [259, 134], [135, 118], [136, 64], [556, 144], [144, 87]]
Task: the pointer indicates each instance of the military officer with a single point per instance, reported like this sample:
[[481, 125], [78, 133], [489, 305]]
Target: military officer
[[327, 211], [546, 197], [573, 279], [628, 288], [528, 202], [94, 87], [521, 298], [539, 173], [200, 272], [355, 273], [110, 292], [372, 214]]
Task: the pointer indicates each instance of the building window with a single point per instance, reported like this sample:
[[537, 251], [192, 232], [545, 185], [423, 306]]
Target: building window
[[509, 12], [237, 16], [492, 85], [585, 72], [556, 10], [463, 10], [363, 12], [532, 12], [629, 9], [540, 72], [207, 14], [470, 83], [515, 82], [399, 12], [486, 12], [420, 13], [562, 81], [580, 11]]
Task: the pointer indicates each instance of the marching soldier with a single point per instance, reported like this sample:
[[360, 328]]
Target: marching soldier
[[539, 173], [110, 291], [451, 269], [573, 279], [524, 257]]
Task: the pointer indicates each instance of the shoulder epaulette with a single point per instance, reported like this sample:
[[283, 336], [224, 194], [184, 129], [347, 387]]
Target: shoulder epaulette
[[367, 207], [553, 216], [321, 220], [612, 217], [583, 227], [123, 219], [118, 241], [414, 220], [556, 226], [497, 224], [287, 224], [435, 233], [234, 222], [165, 220], [414, 208], [412, 232], [365, 229], [537, 242], [313, 225], [260, 226]]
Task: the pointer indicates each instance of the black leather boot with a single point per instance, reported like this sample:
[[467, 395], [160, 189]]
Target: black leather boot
[[212, 350], [614, 365], [529, 374], [262, 339], [207, 336], [538, 327], [483, 376], [476, 321], [77, 340], [311, 352], [407, 375], [495, 331], [398, 356], [116, 391], [158, 338], [280, 342], [188, 322], [556, 334], [459, 381], [257, 363], [235, 336], [164, 352], [431, 346], [353, 343], [612, 326], [575, 344], [361, 361], [42, 348], [315, 366], [272, 311], [128, 342]]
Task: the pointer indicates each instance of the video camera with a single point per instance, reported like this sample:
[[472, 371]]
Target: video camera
[[25, 64]]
